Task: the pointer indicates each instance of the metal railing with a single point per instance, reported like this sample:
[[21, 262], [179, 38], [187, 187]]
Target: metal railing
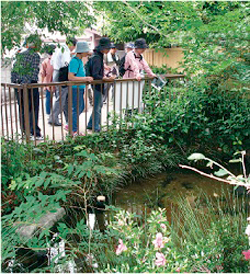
[[23, 106]]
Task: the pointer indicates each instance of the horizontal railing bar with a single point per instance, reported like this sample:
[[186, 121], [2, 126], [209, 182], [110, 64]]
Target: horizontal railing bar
[[11, 85], [71, 83], [172, 76]]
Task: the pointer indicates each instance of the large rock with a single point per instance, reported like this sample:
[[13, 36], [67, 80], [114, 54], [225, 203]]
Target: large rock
[[47, 221]]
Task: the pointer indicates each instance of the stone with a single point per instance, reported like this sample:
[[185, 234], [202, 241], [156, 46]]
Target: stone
[[46, 221]]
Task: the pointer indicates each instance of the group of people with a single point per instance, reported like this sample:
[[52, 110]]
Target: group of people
[[103, 64]]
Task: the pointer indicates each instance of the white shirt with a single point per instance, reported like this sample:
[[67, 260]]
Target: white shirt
[[61, 57]]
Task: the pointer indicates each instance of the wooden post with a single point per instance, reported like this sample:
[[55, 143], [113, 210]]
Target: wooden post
[[26, 112]]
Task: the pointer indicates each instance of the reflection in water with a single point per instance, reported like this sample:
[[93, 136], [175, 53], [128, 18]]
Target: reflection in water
[[164, 191]]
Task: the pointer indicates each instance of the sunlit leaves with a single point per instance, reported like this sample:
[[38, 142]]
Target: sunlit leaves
[[67, 17]]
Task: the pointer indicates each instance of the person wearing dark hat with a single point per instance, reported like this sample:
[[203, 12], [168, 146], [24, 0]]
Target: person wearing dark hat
[[135, 64], [96, 70], [77, 73]]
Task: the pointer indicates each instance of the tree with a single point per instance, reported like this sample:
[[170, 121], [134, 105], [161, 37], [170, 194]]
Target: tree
[[214, 35], [67, 17], [157, 20]]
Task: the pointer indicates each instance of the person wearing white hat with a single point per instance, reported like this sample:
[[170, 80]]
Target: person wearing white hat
[[77, 73], [60, 60]]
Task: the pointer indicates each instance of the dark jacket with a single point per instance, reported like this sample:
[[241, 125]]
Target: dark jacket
[[97, 67]]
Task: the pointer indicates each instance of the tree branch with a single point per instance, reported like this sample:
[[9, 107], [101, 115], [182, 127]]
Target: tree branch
[[214, 177], [145, 22]]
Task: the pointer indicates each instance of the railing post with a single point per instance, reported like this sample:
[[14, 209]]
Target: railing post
[[6, 113], [70, 109], [26, 112]]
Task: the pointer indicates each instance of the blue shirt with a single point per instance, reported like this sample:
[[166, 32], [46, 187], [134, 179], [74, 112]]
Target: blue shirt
[[76, 67]]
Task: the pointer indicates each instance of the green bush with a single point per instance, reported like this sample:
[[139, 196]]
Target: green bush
[[192, 116]]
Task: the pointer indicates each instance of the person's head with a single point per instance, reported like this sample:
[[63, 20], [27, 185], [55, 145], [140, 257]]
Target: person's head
[[34, 42], [71, 43], [113, 48], [82, 49], [129, 46], [140, 45], [104, 45]]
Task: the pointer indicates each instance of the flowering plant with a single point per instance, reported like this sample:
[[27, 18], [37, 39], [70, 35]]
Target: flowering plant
[[144, 244]]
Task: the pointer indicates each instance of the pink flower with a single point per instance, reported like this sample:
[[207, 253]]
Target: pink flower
[[158, 242], [160, 259], [246, 254], [163, 226], [121, 247]]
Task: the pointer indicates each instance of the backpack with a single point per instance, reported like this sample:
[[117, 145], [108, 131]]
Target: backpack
[[63, 72], [88, 65], [122, 69]]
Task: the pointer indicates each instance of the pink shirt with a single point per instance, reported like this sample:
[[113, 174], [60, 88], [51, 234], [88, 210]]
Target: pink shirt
[[136, 65], [46, 71]]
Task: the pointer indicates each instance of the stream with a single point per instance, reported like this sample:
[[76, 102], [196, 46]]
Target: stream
[[163, 190]]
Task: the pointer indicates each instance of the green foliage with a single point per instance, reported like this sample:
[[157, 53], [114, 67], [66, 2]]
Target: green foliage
[[212, 234], [63, 16], [69, 175], [160, 22], [189, 116], [218, 49]]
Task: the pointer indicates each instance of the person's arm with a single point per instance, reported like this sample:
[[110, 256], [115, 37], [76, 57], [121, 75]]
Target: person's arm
[[43, 71], [72, 77], [147, 68]]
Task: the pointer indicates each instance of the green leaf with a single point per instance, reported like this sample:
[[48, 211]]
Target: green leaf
[[221, 173], [196, 157], [235, 161]]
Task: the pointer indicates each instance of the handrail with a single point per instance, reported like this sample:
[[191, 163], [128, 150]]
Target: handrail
[[13, 85], [71, 83], [22, 102]]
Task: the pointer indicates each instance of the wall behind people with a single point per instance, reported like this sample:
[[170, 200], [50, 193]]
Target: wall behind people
[[168, 56]]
